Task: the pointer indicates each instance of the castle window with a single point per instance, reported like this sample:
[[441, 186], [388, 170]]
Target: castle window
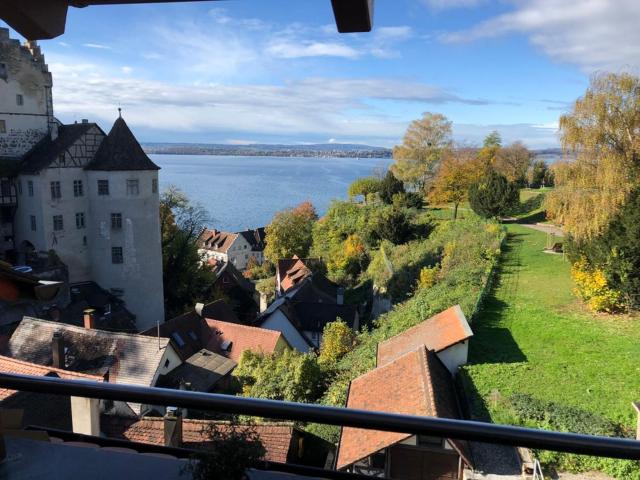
[[103, 187], [3, 71], [30, 187], [78, 190], [84, 240], [57, 223], [116, 255], [3, 126], [33, 222], [80, 220], [19, 100], [56, 193], [154, 185], [116, 221], [133, 187]]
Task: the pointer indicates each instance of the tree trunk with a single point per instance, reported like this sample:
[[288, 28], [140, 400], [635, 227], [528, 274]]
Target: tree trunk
[[455, 211]]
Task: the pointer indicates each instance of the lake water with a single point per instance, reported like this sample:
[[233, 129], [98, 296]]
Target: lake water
[[245, 192]]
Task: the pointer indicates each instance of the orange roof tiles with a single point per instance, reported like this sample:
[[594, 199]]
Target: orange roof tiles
[[437, 333], [416, 383], [11, 365], [276, 437], [242, 337], [216, 240]]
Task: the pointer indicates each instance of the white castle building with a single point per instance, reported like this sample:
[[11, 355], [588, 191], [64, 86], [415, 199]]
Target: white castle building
[[90, 197]]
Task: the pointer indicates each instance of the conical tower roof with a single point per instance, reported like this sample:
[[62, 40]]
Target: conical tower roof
[[121, 151]]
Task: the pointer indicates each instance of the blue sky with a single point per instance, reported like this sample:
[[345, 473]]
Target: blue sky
[[277, 71]]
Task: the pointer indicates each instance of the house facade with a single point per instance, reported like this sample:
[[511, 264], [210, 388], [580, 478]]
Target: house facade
[[236, 248], [89, 197]]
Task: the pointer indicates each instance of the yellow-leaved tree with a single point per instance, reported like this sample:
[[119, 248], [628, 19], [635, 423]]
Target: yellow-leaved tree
[[459, 169], [426, 139], [601, 133]]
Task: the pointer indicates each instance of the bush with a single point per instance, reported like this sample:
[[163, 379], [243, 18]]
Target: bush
[[291, 376], [393, 224], [529, 411], [593, 288], [407, 200], [493, 196], [428, 276]]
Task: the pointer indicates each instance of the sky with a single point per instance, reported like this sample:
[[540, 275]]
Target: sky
[[277, 71]]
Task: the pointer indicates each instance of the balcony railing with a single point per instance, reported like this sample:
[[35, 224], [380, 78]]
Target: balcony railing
[[448, 428]]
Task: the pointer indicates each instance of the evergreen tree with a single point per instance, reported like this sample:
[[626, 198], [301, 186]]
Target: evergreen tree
[[493, 196], [389, 187]]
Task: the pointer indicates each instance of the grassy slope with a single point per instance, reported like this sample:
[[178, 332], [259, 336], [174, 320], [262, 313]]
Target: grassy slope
[[533, 336]]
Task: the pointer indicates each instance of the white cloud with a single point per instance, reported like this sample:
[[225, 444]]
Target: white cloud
[[126, 70], [593, 34], [64, 44], [532, 135], [96, 45], [293, 49], [237, 141], [335, 108]]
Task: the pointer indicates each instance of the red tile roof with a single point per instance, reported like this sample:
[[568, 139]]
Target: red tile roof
[[437, 333], [242, 337], [11, 365], [216, 240], [416, 383], [276, 437], [291, 271]]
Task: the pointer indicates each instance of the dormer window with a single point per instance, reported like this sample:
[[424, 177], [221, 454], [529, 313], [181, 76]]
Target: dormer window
[[226, 345]]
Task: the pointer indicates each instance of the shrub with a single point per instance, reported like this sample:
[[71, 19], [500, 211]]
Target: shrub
[[428, 276], [337, 340], [593, 288], [390, 187], [393, 224]]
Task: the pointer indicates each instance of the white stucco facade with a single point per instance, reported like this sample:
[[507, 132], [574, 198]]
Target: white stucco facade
[[278, 321], [455, 356]]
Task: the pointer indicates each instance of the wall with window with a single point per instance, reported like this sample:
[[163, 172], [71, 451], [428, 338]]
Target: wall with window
[[124, 239], [30, 204]]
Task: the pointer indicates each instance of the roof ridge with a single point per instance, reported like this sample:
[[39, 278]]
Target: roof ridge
[[78, 328], [427, 380], [209, 421]]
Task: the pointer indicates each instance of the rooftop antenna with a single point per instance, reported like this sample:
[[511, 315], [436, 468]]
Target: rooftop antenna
[[119, 112]]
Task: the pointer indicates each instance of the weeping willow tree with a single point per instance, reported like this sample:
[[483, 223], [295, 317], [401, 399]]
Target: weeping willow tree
[[426, 139], [602, 133]]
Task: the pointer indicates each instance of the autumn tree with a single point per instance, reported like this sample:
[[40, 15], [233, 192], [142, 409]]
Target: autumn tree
[[289, 233], [346, 263], [458, 170], [490, 148], [601, 132], [493, 195], [337, 340], [416, 160], [513, 162], [364, 187], [186, 281]]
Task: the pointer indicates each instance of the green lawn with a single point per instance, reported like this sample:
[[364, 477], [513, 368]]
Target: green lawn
[[533, 336]]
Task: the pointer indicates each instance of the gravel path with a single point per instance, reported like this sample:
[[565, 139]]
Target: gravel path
[[545, 227]]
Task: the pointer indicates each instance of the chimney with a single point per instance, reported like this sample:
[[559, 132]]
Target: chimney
[[85, 416], [172, 428], [263, 302], [198, 308], [57, 350], [340, 296], [89, 319]]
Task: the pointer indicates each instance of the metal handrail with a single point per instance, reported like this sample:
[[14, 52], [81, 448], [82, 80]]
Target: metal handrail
[[390, 422]]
